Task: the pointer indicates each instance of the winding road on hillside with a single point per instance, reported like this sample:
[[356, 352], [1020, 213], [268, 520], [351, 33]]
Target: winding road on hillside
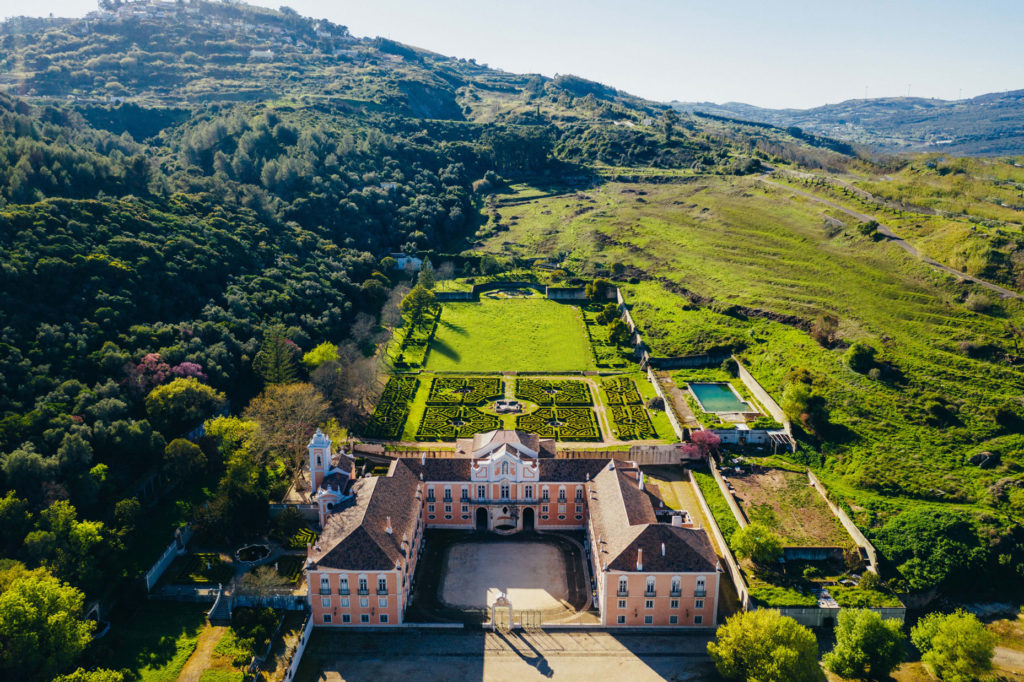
[[895, 238]]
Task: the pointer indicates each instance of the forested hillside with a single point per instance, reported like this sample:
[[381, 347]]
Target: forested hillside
[[987, 125]]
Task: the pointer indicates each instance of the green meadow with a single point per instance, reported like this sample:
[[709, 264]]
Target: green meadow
[[529, 335]]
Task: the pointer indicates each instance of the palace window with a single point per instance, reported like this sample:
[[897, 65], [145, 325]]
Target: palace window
[[677, 586], [648, 603], [327, 618], [447, 494], [344, 602], [481, 491], [447, 509], [430, 494], [561, 494], [698, 620], [504, 491], [544, 509], [364, 585], [504, 468], [579, 494], [465, 509], [528, 492], [650, 590], [343, 585], [579, 508], [325, 602], [622, 603], [430, 508], [325, 585], [364, 618], [544, 494], [674, 604], [465, 494], [346, 618], [382, 585], [700, 591], [673, 620], [648, 620], [383, 617], [382, 602], [623, 586], [364, 602], [698, 603]]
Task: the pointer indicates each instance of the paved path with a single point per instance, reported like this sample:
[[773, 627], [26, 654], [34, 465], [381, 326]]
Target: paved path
[[200, 658], [679, 404], [1009, 661], [458, 655], [896, 239]]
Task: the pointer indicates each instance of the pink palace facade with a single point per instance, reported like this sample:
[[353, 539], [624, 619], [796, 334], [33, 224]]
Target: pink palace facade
[[650, 568]]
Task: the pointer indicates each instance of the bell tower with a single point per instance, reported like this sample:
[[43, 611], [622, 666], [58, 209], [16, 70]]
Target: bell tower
[[319, 458]]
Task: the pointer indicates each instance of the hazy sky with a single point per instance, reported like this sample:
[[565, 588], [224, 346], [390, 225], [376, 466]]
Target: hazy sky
[[788, 53]]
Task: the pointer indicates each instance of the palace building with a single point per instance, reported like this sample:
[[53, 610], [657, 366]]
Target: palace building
[[648, 565]]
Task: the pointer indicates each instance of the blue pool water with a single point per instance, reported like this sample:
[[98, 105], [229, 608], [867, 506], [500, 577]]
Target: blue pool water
[[718, 398]]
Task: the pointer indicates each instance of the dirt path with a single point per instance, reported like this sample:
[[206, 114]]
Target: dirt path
[[896, 239], [1009, 660], [199, 661], [679, 404]]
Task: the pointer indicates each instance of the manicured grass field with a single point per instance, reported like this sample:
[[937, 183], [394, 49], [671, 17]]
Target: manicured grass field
[[531, 335], [157, 641]]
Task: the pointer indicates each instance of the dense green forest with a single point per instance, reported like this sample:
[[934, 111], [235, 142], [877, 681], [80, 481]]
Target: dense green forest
[[176, 256]]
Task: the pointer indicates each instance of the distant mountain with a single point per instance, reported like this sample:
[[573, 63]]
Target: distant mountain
[[991, 124]]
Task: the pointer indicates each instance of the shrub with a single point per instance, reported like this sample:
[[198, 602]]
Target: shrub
[[866, 646], [860, 357], [764, 646], [757, 543], [956, 647]]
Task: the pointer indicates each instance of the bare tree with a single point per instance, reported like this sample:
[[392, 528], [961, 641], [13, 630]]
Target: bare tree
[[261, 584], [445, 271], [363, 329], [287, 415]]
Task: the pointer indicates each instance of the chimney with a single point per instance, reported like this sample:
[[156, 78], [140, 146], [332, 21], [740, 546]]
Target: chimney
[[677, 520], [423, 458], [639, 559], [641, 477], [663, 549], [387, 529]]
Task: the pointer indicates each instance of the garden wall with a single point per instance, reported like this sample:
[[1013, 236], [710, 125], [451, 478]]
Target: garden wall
[[657, 454], [730, 562], [767, 402], [816, 617], [848, 524], [443, 296], [300, 648], [309, 512], [177, 547], [741, 518]]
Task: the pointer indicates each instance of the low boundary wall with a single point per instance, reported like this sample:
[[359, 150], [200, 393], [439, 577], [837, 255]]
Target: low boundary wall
[[848, 524], [300, 648], [177, 547], [816, 616], [741, 518], [766, 400], [730, 562]]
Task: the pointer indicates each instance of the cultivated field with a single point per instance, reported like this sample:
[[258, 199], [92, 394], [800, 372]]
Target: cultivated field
[[785, 502], [529, 335]]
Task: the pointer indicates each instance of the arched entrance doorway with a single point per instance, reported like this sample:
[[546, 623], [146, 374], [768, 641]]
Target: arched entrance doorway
[[481, 519], [528, 518]]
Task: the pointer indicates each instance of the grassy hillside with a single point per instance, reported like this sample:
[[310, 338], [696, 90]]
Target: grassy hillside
[[716, 262]]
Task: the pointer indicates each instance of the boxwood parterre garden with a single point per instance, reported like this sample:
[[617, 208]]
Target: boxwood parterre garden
[[562, 423], [568, 392]]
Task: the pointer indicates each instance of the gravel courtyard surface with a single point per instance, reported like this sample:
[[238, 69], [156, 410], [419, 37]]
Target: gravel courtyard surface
[[533, 574]]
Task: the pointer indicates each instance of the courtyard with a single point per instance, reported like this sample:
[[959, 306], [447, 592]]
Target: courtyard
[[531, 574], [461, 573]]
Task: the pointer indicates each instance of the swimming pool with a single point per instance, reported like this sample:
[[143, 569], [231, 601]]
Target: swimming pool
[[718, 397]]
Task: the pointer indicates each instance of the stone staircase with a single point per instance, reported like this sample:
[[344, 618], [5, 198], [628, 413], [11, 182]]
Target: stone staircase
[[220, 614]]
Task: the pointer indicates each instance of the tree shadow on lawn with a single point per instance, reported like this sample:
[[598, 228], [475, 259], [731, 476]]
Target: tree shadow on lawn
[[148, 638], [438, 346], [458, 329]]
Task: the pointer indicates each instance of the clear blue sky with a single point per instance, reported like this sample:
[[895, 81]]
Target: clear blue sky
[[788, 53]]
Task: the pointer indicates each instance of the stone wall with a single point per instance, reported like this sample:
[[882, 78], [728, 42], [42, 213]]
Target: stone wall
[[730, 562], [848, 524]]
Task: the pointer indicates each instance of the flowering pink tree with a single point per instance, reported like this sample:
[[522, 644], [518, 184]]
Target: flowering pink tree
[[706, 441], [189, 369], [153, 371]]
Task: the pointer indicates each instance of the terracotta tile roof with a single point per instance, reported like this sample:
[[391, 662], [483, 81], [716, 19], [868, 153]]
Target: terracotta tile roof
[[624, 523], [439, 469], [356, 537], [571, 470], [466, 447]]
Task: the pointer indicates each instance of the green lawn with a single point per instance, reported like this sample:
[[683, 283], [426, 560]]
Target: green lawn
[[530, 335], [157, 641]]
